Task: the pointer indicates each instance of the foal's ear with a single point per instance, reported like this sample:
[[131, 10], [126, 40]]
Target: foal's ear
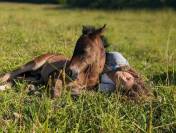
[[84, 29], [100, 30]]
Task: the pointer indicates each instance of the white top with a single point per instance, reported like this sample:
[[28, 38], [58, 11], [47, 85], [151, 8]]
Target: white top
[[115, 60]]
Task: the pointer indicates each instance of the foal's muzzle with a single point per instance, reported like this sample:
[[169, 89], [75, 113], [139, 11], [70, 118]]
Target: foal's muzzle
[[73, 74]]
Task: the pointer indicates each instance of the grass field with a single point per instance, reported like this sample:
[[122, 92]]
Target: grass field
[[146, 38]]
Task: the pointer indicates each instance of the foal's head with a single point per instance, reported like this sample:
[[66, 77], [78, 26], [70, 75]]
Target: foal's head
[[87, 51]]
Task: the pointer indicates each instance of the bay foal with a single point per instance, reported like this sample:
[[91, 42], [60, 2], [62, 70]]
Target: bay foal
[[84, 68], [86, 64]]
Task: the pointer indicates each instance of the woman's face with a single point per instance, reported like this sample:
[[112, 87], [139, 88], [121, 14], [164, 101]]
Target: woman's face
[[125, 78]]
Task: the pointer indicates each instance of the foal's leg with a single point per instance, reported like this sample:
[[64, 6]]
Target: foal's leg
[[30, 66], [36, 64], [58, 82], [55, 84], [56, 90]]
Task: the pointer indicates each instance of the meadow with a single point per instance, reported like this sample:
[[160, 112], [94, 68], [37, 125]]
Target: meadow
[[147, 38]]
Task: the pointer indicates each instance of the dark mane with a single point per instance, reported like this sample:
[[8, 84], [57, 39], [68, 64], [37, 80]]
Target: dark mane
[[89, 29], [105, 41]]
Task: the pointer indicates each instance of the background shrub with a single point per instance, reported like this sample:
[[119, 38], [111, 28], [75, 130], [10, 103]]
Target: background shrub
[[32, 1], [119, 3]]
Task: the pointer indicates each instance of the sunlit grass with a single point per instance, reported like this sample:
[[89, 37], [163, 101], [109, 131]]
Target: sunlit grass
[[146, 38]]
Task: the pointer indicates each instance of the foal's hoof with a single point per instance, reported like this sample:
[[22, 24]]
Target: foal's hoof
[[2, 88], [30, 89], [4, 78], [5, 86]]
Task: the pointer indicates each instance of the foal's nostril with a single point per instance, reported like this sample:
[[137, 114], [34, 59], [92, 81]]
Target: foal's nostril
[[72, 74]]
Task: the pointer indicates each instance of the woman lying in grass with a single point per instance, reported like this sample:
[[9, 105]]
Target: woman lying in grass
[[119, 76]]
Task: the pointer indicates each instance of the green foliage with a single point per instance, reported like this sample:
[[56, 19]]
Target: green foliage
[[120, 3], [33, 1], [146, 38], [62, 1]]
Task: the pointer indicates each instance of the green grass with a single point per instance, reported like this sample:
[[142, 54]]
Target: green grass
[[146, 38]]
